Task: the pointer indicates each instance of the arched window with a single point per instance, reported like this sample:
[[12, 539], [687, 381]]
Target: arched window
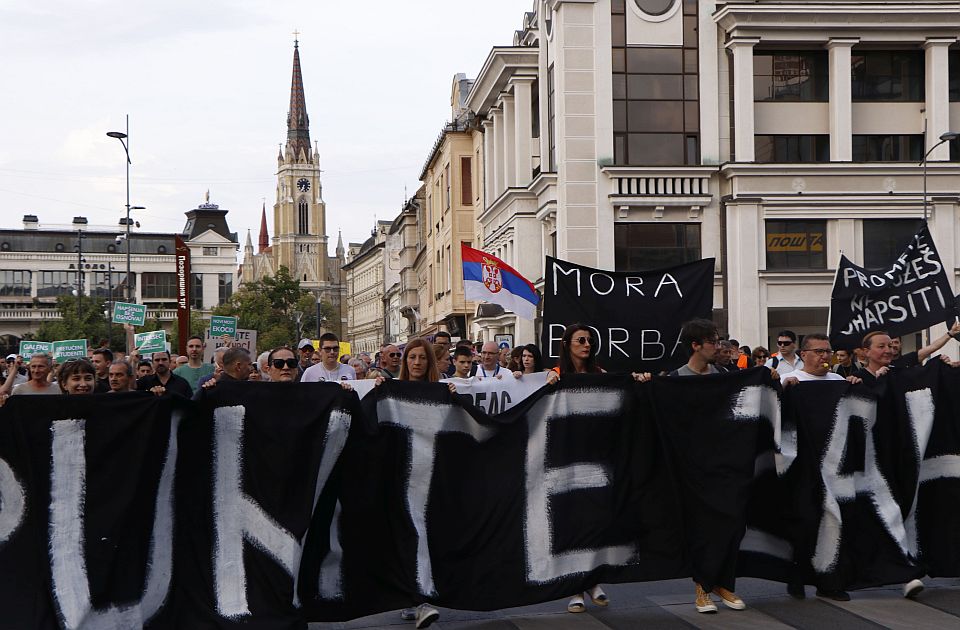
[[303, 217]]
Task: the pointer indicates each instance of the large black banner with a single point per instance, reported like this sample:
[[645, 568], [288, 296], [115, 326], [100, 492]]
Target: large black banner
[[636, 316], [269, 505], [911, 294]]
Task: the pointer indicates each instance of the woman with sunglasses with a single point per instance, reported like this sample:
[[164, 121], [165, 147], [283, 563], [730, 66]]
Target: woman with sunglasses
[[760, 356], [578, 356], [282, 365]]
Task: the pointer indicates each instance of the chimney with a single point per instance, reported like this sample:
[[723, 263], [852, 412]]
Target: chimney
[[30, 222]]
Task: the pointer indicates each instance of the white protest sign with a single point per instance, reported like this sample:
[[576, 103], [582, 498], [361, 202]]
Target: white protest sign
[[243, 339]]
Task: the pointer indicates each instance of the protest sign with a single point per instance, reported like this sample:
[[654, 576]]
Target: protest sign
[[344, 349], [242, 338], [70, 349], [635, 316], [135, 314], [222, 325], [147, 342], [30, 348], [911, 294]]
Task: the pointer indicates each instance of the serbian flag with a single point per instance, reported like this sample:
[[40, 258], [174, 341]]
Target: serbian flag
[[488, 278]]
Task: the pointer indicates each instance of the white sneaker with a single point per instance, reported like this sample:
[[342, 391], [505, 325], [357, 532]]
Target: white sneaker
[[426, 615], [912, 588]]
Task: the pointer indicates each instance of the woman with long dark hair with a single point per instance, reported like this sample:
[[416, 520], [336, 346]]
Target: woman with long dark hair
[[531, 361]]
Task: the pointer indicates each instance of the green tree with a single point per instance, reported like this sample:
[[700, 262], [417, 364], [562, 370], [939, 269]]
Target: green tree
[[89, 323], [277, 308]]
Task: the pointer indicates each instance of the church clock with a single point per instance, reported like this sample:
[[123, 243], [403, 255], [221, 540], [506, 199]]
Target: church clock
[[303, 184]]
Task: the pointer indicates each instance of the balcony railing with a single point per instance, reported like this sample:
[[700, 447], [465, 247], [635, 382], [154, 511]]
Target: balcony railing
[[41, 314], [662, 186]]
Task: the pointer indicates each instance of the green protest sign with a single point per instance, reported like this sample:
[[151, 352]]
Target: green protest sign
[[30, 348], [220, 325], [124, 313], [70, 349], [155, 341]]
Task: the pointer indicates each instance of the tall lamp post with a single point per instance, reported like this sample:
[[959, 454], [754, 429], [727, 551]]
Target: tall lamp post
[[946, 137], [80, 261], [124, 138]]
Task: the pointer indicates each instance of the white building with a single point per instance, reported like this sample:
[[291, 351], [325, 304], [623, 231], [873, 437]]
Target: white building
[[770, 135], [40, 262]]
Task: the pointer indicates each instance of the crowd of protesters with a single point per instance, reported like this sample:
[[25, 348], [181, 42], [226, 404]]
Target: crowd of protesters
[[810, 358]]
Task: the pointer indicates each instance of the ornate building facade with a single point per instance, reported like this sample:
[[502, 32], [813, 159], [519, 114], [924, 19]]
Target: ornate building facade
[[299, 216]]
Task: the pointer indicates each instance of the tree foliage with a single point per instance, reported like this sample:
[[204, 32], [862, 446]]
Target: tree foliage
[[89, 323], [277, 308]]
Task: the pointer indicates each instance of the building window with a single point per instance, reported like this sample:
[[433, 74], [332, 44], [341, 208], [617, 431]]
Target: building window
[[796, 245], [551, 120], [888, 148], [954, 62], [885, 239], [54, 283], [225, 287], [446, 178], [466, 181], [210, 251], [643, 246], [791, 149], [656, 111], [799, 76], [15, 283], [196, 291], [159, 286], [105, 284], [887, 76], [303, 217], [655, 7]]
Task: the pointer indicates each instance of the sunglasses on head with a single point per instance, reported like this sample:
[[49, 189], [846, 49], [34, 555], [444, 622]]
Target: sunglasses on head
[[279, 363]]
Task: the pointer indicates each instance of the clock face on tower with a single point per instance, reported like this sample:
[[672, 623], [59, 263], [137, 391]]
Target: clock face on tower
[[303, 184]]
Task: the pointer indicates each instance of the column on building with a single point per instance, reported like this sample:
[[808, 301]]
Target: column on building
[[523, 134], [488, 161], [498, 155], [841, 101], [509, 141], [745, 229], [937, 90], [743, 108]]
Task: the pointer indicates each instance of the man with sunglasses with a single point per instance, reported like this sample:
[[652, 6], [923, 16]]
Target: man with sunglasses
[[389, 361], [329, 368], [787, 360]]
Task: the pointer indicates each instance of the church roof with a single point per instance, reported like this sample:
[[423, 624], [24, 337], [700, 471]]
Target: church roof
[[298, 122], [208, 216], [264, 241]]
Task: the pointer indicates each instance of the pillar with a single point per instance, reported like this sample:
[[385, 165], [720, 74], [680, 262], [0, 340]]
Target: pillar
[[841, 101], [743, 108]]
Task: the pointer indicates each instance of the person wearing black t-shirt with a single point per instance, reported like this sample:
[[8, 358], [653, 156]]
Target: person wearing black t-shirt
[[163, 381], [911, 359]]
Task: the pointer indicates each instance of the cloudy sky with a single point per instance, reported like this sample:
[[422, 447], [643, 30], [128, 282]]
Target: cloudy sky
[[207, 84]]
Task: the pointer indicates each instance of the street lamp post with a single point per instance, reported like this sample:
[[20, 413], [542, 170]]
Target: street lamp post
[[80, 260], [124, 138], [946, 137]]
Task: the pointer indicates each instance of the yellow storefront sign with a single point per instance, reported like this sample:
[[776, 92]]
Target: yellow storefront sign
[[795, 242]]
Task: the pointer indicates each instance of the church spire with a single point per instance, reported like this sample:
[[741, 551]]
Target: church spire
[[298, 123], [264, 237]]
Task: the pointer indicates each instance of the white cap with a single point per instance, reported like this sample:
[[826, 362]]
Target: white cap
[[303, 343]]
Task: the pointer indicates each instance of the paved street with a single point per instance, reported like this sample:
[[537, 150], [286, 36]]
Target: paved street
[[669, 605]]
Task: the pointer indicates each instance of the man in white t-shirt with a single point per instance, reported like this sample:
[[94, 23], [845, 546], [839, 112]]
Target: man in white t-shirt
[[329, 368], [815, 354]]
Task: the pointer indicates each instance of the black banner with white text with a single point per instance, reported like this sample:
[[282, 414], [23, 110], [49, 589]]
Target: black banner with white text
[[635, 316], [913, 293], [268, 505]]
